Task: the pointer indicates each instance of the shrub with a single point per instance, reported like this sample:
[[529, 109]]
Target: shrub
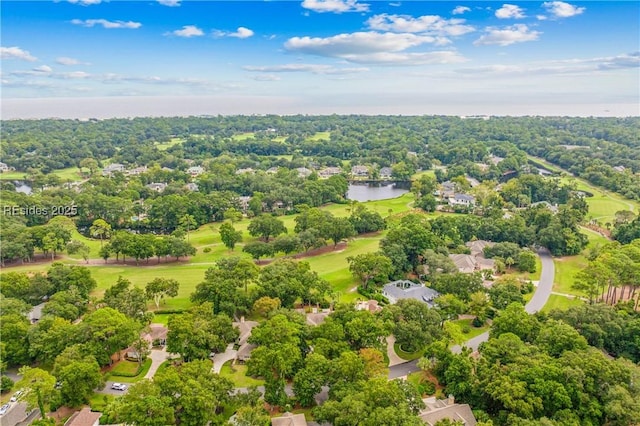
[[206, 250], [6, 384], [466, 329]]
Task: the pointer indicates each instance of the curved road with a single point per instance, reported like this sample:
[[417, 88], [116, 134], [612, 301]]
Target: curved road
[[539, 299]]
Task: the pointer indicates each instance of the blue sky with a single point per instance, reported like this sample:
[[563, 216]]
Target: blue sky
[[321, 56]]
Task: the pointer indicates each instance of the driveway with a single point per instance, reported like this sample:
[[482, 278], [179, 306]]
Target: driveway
[[220, 359], [539, 299], [158, 356], [394, 359]]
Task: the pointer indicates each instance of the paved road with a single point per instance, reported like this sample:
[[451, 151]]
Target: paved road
[[17, 412], [539, 299]]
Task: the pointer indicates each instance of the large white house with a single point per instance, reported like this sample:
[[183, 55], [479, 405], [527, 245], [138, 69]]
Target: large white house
[[462, 200], [405, 289]]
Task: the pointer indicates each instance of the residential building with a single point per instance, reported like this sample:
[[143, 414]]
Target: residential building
[[405, 289], [157, 186], [327, 172], [112, 168], [193, 187], [195, 170], [495, 159], [548, 205], [477, 247], [137, 171], [368, 305], [385, 173], [447, 189], [619, 169], [440, 409], [360, 171], [464, 200], [244, 202], [84, 417], [5, 168], [289, 419], [303, 172], [246, 171], [157, 334], [472, 181], [273, 170]]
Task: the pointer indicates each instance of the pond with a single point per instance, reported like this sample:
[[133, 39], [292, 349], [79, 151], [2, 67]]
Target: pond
[[376, 191], [22, 186]]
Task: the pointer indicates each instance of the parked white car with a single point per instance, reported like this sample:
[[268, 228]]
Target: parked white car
[[119, 386], [4, 409], [15, 396]]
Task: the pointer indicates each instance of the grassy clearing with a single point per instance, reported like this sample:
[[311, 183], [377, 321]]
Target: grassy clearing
[[243, 136], [430, 172], [320, 136], [100, 401], [238, 375], [166, 145], [568, 266], [331, 266], [560, 302], [124, 370], [462, 325]]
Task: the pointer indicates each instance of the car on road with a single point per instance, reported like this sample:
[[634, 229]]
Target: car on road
[[15, 396], [4, 409], [119, 386]]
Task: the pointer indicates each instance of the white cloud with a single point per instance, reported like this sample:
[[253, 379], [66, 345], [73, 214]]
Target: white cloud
[[16, 53], [510, 11], [509, 35], [359, 43], [541, 17], [72, 75], [397, 4], [106, 24], [241, 32], [567, 66], [459, 10], [45, 69], [187, 31], [265, 77], [560, 9], [85, 2], [63, 60], [403, 59], [429, 24], [170, 3], [335, 6], [312, 68]]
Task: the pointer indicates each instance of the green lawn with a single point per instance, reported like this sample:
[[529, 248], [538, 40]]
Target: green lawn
[[603, 204], [238, 375], [243, 136], [100, 401], [409, 356], [320, 136], [331, 266], [560, 302], [568, 266], [127, 368], [166, 145], [473, 331]]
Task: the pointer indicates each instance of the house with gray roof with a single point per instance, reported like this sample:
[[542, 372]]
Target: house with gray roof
[[385, 173], [112, 168], [405, 289], [440, 409], [462, 200]]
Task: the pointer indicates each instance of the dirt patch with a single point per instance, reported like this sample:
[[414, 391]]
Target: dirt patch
[[62, 413]]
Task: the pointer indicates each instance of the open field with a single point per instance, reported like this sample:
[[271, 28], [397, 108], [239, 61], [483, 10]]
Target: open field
[[568, 266], [331, 266], [70, 174], [166, 145], [560, 302], [243, 136], [238, 375], [320, 136], [603, 204]]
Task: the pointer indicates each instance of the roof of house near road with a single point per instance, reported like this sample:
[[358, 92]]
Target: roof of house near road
[[244, 328], [317, 318], [244, 352], [405, 289], [477, 246], [84, 417], [439, 409], [156, 332], [464, 262], [552, 207], [289, 419], [368, 305]]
